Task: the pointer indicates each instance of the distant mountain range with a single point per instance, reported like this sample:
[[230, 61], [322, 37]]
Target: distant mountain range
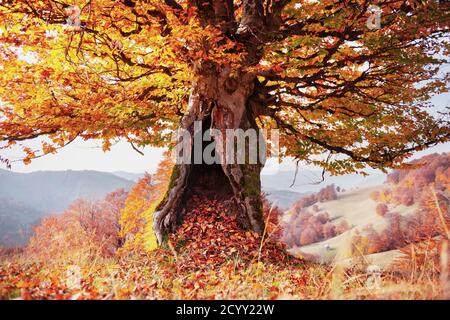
[[284, 188], [283, 198], [53, 191], [16, 221], [128, 175], [309, 181], [25, 198]]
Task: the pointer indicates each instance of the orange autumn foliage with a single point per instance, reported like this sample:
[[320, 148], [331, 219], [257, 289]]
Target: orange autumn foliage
[[406, 186], [87, 229], [136, 215], [427, 187], [318, 73]]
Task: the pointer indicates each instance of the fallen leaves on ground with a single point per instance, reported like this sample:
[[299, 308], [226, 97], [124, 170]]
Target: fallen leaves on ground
[[210, 236]]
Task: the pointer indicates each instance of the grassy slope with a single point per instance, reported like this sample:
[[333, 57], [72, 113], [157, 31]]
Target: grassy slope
[[208, 258], [357, 207]]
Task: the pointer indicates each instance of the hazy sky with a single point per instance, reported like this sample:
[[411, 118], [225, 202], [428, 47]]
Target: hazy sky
[[88, 155], [82, 155]]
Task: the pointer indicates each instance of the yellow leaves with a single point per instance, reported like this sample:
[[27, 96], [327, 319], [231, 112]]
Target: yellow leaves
[[29, 155], [331, 80], [75, 90], [251, 235], [150, 240], [137, 215]]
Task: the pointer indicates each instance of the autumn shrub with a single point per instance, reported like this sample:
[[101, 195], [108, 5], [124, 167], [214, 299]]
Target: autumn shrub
[[323, 217], [329, 230], [308, 236], [381, 209], [404, 196], [375, 241], [133, 219], [305, 228], [326, 194], [385, 195], [342, 226]]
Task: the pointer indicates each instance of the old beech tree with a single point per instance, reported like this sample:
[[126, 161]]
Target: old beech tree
[[345, 93]]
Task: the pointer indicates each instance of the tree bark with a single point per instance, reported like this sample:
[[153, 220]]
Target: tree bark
[[220, 101]]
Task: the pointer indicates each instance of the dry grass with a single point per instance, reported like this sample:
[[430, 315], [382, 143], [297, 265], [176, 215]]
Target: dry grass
[[263, 271], [158, 276]]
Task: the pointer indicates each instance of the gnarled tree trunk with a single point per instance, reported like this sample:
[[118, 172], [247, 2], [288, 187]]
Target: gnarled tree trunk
[[220, 101]]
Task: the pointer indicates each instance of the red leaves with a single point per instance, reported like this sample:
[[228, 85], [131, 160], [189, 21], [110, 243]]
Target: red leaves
[[46, 73], [210, 236]]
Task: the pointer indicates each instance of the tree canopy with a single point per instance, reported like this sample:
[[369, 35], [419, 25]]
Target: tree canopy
[[332, 85]]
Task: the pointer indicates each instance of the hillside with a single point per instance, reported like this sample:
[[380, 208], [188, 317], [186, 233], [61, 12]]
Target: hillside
[[107, 250], [412, 207], [53, 191], [359, 210], [27, 197], [16, 220]]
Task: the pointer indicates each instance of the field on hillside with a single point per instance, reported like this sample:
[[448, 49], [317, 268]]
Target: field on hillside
[[357, 207]]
